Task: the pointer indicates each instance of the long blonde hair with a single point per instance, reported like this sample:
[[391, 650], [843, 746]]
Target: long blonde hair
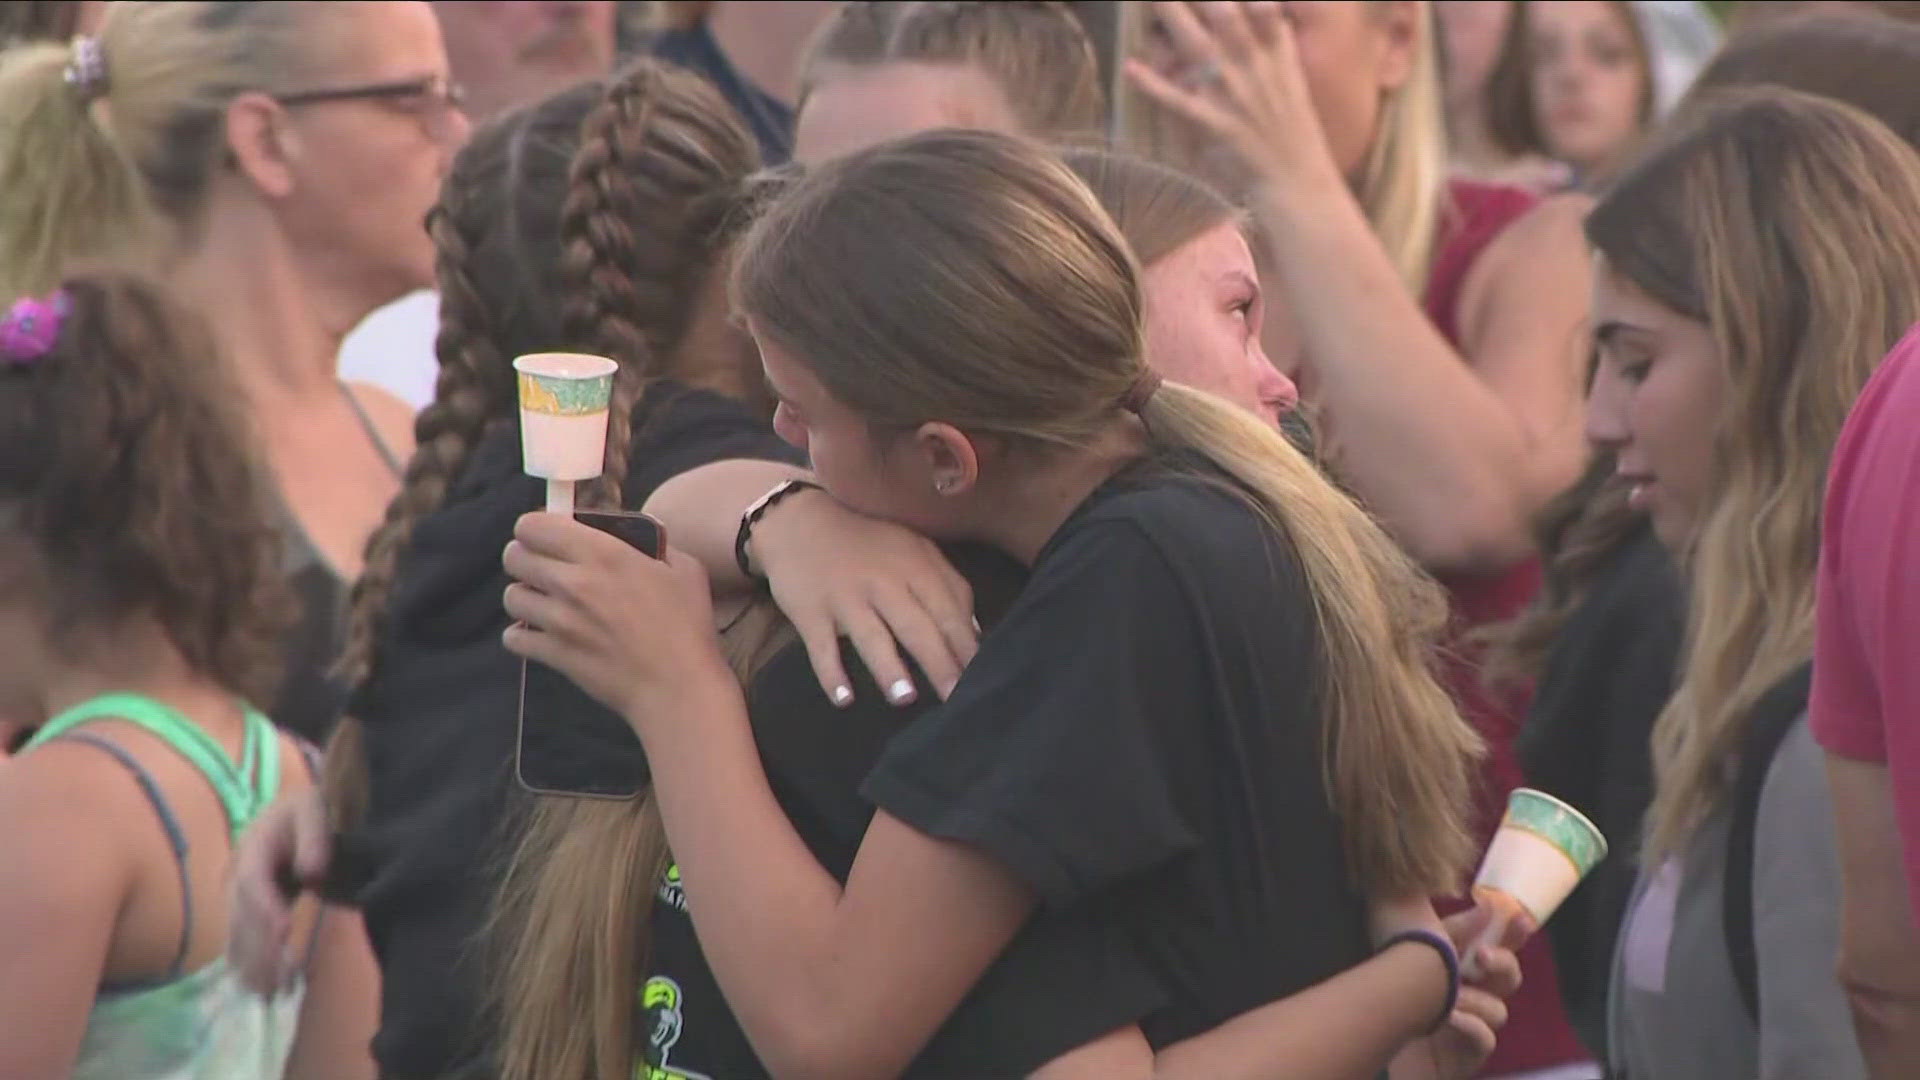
[[1401, 185], [1025, 322], [1801, 310], [116, 172]]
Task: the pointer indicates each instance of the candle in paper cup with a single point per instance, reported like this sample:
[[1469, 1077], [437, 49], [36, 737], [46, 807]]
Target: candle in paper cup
[[1543, 849], [563, 414]]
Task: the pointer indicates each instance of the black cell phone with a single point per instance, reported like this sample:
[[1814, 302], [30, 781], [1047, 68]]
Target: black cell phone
[[570, 744]]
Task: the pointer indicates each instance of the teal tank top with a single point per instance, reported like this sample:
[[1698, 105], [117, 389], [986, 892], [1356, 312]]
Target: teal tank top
[[187, 1025]]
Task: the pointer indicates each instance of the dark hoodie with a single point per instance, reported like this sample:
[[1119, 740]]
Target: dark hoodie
[[440, 721]]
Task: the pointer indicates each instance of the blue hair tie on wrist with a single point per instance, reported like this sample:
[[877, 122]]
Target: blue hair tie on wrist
[[1448, 956]]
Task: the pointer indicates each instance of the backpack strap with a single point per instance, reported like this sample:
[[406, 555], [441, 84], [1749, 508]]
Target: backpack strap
[[1767, 725]]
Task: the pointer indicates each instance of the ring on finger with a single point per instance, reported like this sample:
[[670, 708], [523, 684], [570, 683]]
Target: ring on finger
[[1201, 76]]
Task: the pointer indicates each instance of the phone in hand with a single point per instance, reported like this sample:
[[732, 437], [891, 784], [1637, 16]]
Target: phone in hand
[[569, 743]]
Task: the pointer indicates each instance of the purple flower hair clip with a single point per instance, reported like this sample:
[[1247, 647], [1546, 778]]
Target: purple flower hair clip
[[31, 327]]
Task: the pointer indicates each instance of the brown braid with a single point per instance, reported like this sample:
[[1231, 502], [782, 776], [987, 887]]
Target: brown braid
[[655, 198], [662, 158]]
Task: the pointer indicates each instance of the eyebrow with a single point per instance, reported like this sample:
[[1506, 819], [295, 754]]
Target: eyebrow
[[1607, 332]]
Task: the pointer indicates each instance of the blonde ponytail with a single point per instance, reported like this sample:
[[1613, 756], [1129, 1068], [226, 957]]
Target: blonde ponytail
[[1399, 757], [71, 195], [115, 165]]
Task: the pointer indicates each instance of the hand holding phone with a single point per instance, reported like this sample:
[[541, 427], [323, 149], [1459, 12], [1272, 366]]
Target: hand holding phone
[[569, 743]]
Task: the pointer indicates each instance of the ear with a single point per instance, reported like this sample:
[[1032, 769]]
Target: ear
[[261, 143], [1403, 27], [948, 456]]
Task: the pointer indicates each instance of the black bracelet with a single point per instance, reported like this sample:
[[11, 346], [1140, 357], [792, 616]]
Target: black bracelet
[[759, 510], [1448, 956]]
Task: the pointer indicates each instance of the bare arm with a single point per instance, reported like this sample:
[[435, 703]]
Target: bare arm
[[1346, 1028], [1455, 452], [826, 981], [833, 572], [68, 873], [1879, 943], [341, 1010]]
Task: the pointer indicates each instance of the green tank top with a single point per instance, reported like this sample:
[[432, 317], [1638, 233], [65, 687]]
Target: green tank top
[[198, 1025]]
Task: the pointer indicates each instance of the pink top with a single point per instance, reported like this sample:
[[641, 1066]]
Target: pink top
[[1866, 683]]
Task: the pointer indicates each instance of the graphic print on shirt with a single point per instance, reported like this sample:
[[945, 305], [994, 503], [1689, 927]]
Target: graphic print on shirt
[[660, 1011], [670, 892]]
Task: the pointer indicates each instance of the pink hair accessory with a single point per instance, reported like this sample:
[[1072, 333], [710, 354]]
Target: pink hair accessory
[[31, 327]]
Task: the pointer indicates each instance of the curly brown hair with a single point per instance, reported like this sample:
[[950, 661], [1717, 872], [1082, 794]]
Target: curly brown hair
[[125, 463]]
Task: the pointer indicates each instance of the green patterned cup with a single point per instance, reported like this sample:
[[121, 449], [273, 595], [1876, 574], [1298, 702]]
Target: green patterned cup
[[1543, 849], [563, 414]]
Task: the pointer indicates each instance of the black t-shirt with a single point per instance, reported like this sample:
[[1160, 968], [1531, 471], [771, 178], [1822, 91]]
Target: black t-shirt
[[1064, 980], [1141, 740], [440, 724], [769, 118]]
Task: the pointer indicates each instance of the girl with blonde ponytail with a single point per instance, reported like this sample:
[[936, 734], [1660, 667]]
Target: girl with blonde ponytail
[[1207, 725]]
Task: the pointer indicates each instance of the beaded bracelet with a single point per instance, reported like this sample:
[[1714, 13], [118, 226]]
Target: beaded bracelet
[[759, 510], [1448, 956]]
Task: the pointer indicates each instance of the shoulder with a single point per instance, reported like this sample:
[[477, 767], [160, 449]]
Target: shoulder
[[79, 799], [392, 419], [1548, 229]]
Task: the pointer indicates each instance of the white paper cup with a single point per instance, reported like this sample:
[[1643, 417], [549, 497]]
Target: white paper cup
[[563, 414], [1542, 851]]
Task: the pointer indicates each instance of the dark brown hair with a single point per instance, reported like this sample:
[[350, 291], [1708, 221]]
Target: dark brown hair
[[1850, 54], [125, 463], [1037, 53], [1513, 121]]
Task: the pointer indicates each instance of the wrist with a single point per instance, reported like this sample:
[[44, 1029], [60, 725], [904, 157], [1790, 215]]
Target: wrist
[[751, 543], [703, 685], [1436, 946]]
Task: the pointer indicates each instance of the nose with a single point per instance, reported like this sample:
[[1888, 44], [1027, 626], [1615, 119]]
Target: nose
[[1274, 387], [1607, 408]]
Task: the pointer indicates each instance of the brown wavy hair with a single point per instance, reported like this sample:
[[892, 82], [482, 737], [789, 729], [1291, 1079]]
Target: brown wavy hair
[[1034, 334], [1513, 121], [625, 193], [1801, 312], [127, 466], [1037, 53]]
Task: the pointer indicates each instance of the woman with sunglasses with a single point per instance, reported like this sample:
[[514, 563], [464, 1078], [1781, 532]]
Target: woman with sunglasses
[[271, 164]]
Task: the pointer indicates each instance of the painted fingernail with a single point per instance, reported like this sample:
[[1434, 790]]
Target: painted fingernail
[[842, 695], [900, 692], [976, 625]]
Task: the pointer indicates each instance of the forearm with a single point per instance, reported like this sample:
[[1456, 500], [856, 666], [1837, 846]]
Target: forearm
[[1423, 441], [701, 510], [1348, 1027], [1887, 1021], [341, 1010], [766, 913]]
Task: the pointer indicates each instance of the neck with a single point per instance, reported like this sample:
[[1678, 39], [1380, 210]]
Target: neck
[[1032, 506], [762, 40], [137, 658], [1468, 138], [277, 325]]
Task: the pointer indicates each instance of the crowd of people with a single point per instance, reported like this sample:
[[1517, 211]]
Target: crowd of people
[[1142, 483]]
